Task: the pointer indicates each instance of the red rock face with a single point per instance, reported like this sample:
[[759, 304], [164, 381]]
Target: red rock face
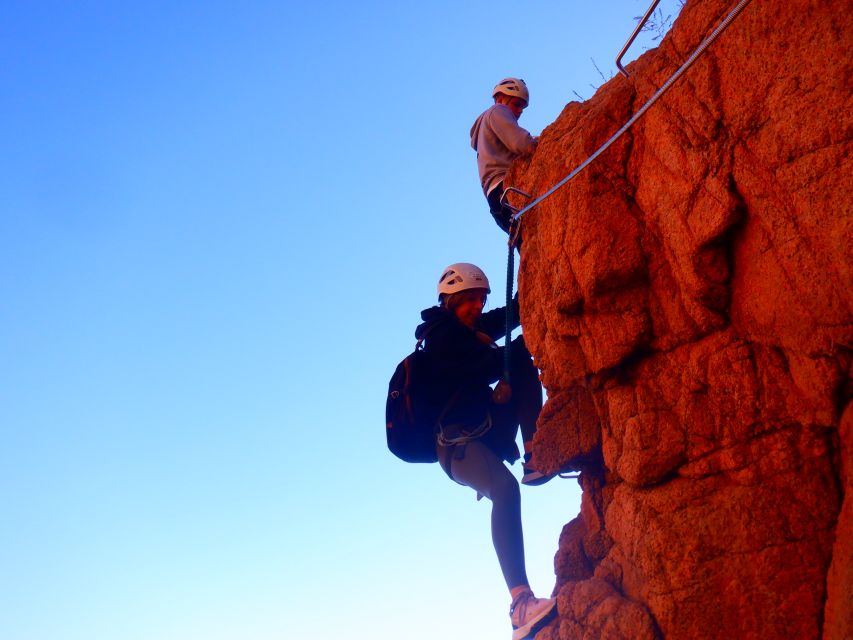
[[689, 301]]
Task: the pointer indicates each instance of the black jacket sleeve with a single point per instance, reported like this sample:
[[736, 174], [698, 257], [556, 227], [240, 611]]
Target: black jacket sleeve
[[494, 322]]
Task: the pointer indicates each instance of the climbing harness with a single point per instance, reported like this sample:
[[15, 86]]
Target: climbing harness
[[464, 435], [666, 85]]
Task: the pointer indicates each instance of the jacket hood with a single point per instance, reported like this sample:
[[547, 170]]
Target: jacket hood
[[475, 130], [431, 317]]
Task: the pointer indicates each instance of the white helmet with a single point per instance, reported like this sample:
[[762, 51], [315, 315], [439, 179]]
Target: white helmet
[[462, 276], [514, 87]]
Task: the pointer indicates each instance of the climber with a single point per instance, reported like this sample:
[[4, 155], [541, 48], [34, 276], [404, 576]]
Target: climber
[[498, 140], [478, 426]]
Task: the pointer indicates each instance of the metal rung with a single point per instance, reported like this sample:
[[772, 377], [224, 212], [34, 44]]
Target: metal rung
[[505, 200], [633, 37]]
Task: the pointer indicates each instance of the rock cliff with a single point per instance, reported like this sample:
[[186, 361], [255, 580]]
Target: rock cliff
[[689, 301]]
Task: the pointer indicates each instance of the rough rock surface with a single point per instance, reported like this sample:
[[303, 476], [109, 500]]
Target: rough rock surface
[[689, 301]]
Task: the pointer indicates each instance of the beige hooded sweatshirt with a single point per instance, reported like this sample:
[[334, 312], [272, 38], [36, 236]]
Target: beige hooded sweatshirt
[[498, 140]]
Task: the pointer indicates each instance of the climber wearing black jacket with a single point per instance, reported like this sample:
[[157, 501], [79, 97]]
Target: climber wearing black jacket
[[465, 362], [478, 426]]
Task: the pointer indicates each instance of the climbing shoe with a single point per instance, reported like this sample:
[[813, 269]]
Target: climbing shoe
[[528, 614]]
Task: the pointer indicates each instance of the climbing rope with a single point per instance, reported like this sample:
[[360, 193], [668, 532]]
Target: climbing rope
[[510, 319], [514, 229], [675, 76]]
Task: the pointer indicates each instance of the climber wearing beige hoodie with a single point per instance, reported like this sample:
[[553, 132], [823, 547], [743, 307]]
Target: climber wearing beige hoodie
[[498, 140]]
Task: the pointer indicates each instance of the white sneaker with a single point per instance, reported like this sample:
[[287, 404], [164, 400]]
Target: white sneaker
[[533, 478], [530, 476], [528, 614]]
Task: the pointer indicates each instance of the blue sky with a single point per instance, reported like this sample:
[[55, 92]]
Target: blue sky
[[218, 224]]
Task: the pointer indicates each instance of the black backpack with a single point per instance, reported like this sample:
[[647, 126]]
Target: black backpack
[[410, 415]]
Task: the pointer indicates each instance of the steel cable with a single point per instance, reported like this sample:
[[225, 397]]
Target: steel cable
[[666, 85]]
